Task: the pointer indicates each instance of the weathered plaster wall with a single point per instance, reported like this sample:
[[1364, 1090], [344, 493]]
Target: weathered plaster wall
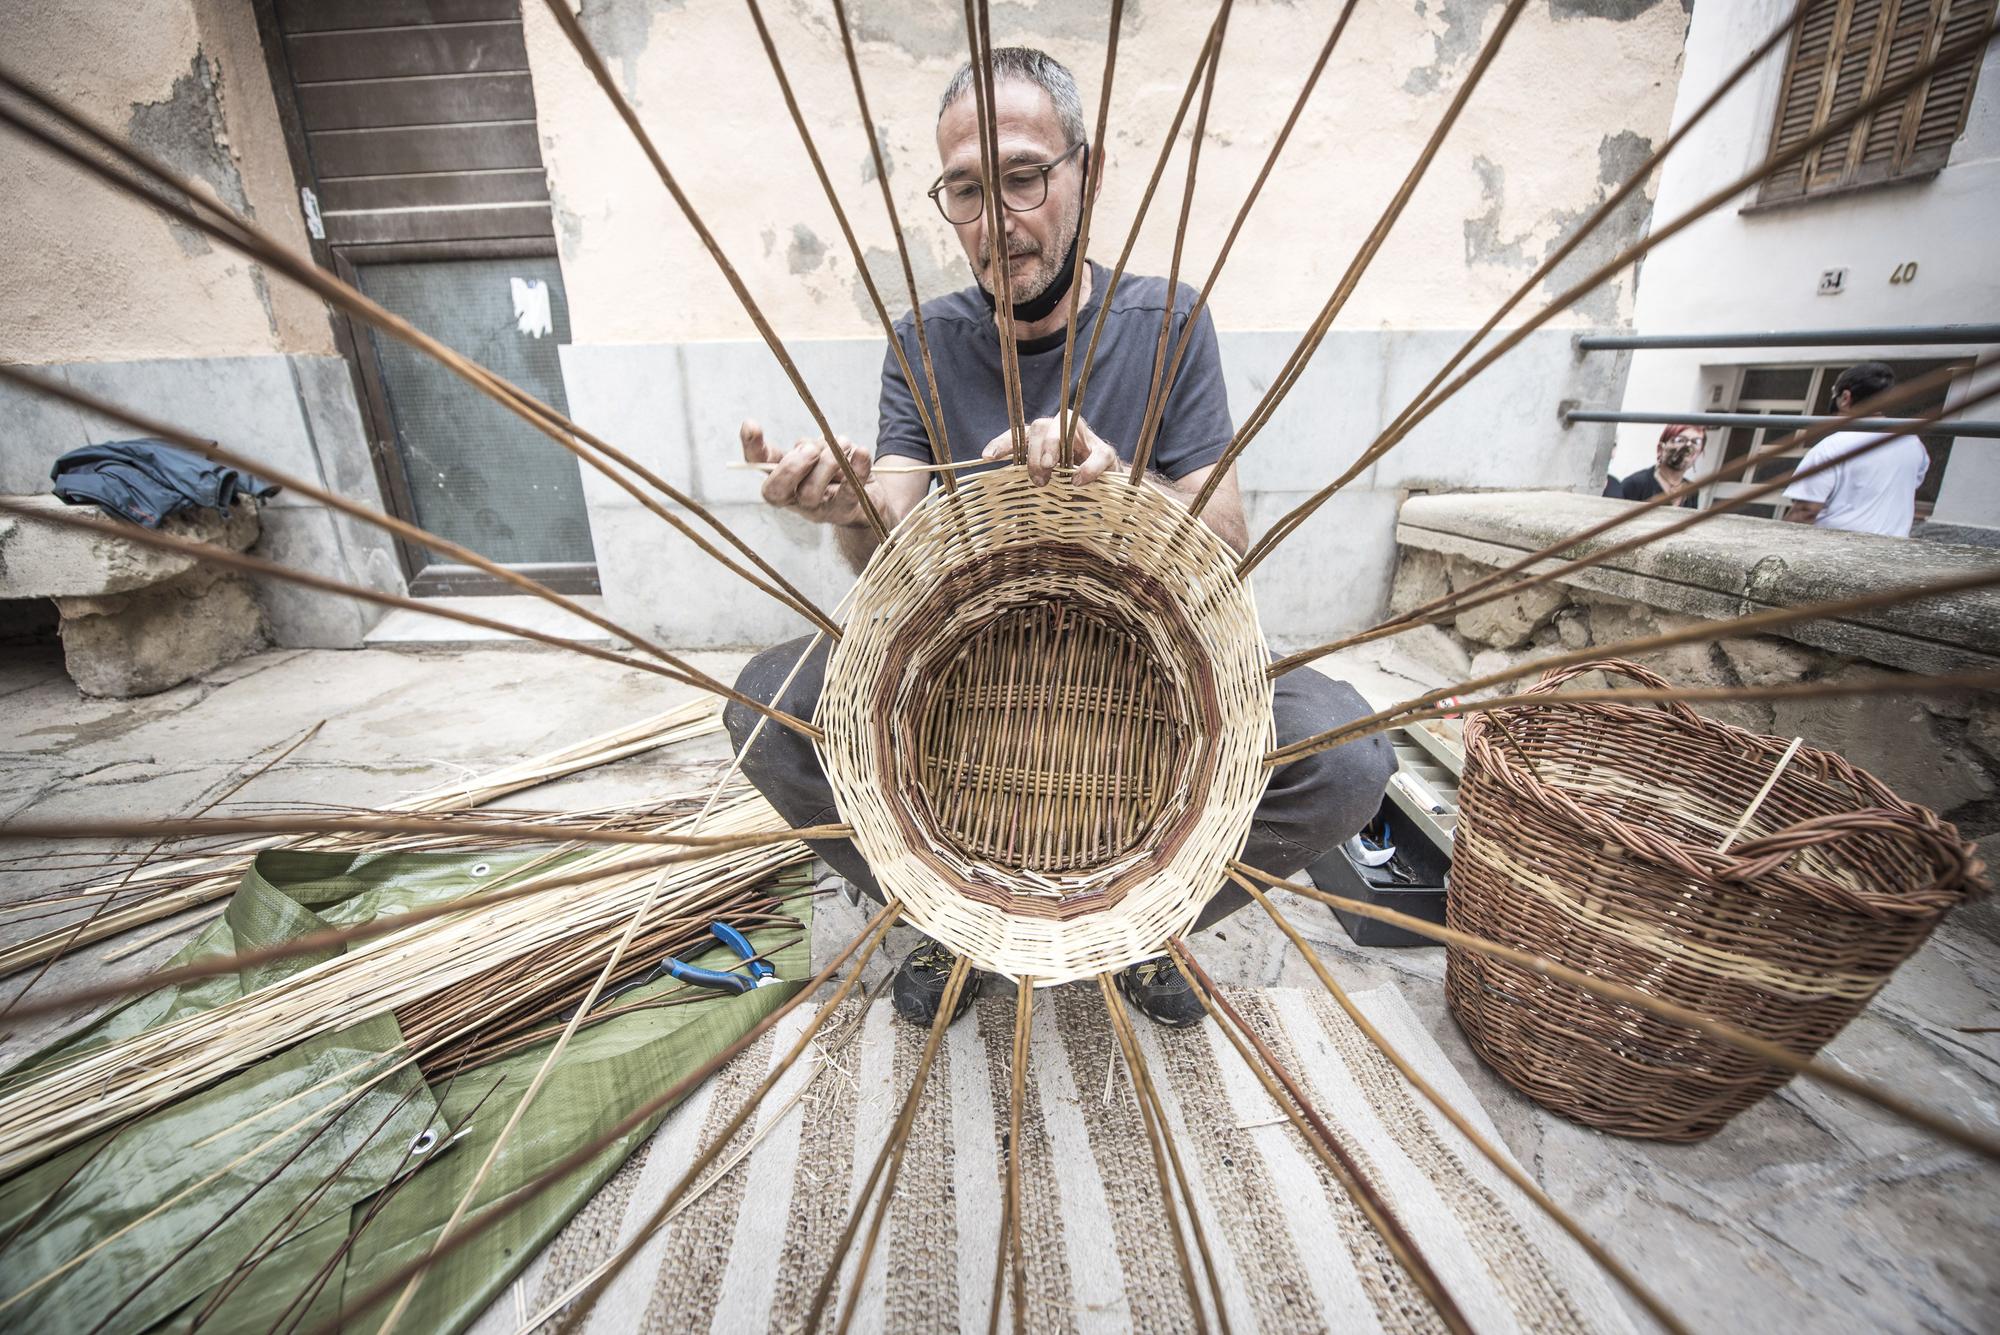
[[1760, 270], [1523, 164], [90, 275]]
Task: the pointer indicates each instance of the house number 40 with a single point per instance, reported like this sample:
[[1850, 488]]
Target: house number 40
[[1905, 272]]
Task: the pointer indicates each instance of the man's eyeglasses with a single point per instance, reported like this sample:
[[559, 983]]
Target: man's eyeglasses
[[1023, 188]]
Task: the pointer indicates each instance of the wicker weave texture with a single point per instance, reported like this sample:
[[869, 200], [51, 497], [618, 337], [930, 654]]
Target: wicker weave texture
[[1589, 833], [1046, 721]]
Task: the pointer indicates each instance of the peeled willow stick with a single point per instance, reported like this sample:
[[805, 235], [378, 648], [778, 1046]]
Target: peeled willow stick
[[1291, 1099], [1982, 1143], [1242, 214], [409, 532], [1492, 1154], [941, 436], [594, 63], [888, 1163], [167, 192], [869, 940], [1372, 243], [1156, 390], [1159, 1140], [1695, 634], [1482, 591], [1890, 91], [238, 561]]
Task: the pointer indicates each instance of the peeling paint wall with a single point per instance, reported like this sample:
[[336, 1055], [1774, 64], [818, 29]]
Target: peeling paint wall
[[1760, 270], [89, 275], [1581, 91]]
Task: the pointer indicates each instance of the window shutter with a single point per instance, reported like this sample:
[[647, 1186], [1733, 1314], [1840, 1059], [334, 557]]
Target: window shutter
[[1798, 105], [1940, 115], [1906, 43], [1856, 46]]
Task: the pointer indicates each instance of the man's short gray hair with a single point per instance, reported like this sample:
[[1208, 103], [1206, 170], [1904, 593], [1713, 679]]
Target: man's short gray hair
[[1036, 67]]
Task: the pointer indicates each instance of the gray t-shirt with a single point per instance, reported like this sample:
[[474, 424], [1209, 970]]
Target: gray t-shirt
[[965, 352]]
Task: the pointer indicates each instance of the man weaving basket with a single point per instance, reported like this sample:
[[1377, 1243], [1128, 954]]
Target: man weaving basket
[[1312, 804]]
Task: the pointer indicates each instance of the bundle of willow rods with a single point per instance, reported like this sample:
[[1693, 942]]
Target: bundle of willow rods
[[172, 887], [107, 1085], [475, 1019]]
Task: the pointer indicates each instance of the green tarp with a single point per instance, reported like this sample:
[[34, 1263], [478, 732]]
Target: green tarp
[[125, 1226]]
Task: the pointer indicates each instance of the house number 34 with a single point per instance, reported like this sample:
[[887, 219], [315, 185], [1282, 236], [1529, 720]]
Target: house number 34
[[1905, 272]]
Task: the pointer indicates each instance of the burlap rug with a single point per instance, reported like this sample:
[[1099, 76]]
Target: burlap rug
[[1292, 1252]]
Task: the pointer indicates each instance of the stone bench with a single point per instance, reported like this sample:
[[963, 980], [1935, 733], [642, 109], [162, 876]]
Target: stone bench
[[135, 620]]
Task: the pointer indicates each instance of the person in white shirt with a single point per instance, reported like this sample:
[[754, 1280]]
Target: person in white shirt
[[1875, 492]]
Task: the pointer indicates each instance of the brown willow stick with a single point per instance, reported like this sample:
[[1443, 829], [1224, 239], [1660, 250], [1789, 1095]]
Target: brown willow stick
[[504, 831], [1010, 1198], [938, 453], [1508, 1168], [106, 901], [1481, 591], [314, 942], [1889, 92], [1000, 263], [240, 234], [502, 1210], [1159, 1140], [941, 437], [1326, 1147], [1139, 219], [253, 565], [1243, 213], [1315, 334], [1156, 390], [888, 1162], [1695, 634], [1093, 180], [409, 532], [592, 61], [579, 1314], [1982, 1143]]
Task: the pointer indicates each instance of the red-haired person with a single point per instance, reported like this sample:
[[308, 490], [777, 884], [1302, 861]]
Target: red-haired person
[[1677, 451]]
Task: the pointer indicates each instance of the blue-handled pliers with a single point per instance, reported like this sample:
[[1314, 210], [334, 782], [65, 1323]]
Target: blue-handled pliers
[[759, 972]]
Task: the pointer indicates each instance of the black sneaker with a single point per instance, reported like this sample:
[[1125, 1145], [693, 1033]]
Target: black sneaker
[[1160, 993], [918, 986]]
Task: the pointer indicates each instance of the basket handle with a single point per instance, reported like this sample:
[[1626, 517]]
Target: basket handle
[[1552, 680]]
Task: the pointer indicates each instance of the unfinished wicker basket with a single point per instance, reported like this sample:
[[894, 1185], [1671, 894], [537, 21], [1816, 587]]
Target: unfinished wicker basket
[[1589, 833], [1046, 720]]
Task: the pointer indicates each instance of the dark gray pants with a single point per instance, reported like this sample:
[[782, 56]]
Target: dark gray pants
[[1310, 806]]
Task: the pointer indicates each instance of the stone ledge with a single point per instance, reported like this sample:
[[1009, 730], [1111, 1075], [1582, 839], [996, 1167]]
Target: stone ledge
[[51, 560], [1734, 566]]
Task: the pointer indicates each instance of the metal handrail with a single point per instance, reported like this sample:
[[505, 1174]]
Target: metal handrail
[[1954, 335], [1790, 422]]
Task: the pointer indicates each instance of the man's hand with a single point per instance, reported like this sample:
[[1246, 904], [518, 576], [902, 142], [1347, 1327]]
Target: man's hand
[[1093, 457], [807, 478]]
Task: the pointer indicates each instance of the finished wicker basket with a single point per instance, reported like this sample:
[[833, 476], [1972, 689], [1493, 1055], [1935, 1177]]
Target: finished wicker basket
[[1590, 834]]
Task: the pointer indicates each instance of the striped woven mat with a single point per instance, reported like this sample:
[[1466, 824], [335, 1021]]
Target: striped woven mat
[[1292, 1253]]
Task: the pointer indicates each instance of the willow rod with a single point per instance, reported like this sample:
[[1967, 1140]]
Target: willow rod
[[1093, 181], [1010, 1194], [1981, 1143], [1242, 214], [1371, 244], [1139, 217], [938, 452], [586, 1299], [252, 565], [1482, 591], [1158, 1141], [1491, 1153], [502, 1210], [1290, 1097], [941, 438], [403, 529], [1695, 634], [999, 257], [243, 236], [1156, 390], [594, 63], [1889, 92]]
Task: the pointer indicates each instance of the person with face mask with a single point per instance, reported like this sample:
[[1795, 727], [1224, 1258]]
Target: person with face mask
[[1044, 171], [1679, 448]]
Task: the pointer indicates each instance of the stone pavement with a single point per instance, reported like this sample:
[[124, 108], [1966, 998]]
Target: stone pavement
[[1809, 1212]]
